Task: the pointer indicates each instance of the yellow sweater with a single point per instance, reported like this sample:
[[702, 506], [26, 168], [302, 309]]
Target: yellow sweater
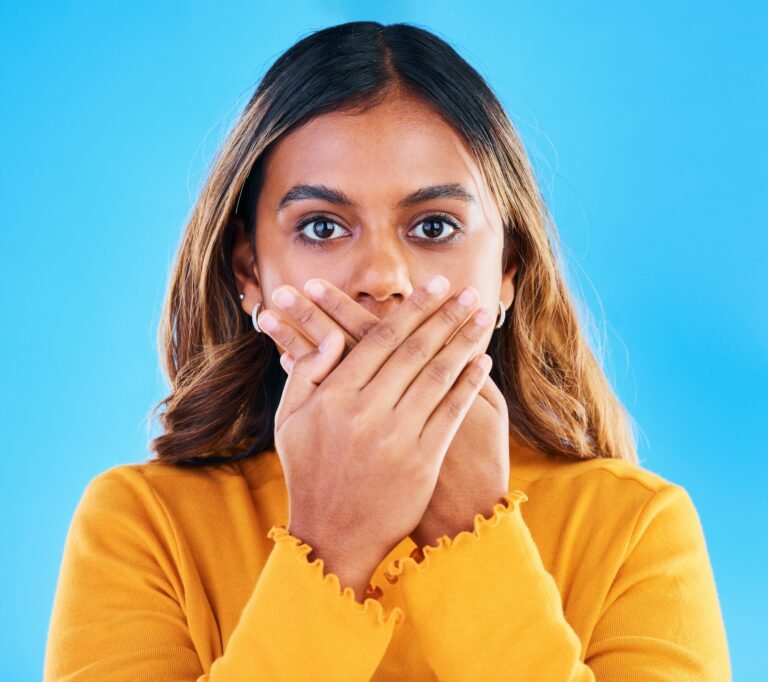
[[591, 570]]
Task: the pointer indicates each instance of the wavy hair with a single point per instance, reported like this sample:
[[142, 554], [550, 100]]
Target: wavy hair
[[226, 380]]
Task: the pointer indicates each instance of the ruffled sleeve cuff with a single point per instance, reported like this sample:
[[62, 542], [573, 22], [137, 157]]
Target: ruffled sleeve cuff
[[301, 620], [326, 587], [482, 603], [452, 550]]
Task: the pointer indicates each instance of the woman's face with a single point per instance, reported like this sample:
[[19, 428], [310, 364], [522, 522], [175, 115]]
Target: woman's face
[[347, 198]]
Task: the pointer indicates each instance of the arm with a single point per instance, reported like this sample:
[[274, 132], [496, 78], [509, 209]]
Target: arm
[[118, 614], [485, 607]]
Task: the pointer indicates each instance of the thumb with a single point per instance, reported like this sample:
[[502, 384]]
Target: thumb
[[308, 372]]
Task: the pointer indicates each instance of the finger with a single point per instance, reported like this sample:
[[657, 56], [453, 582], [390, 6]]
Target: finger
[[441, 427], [417, 353], [433, 382], [341, 308], [286, 362], [306, 374], [278, 328], [313, 321], [492, 394], [385, 337]]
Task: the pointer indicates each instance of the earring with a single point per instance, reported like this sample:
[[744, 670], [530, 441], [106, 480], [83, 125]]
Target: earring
[[502, 316], [254, 316], [242, 296]]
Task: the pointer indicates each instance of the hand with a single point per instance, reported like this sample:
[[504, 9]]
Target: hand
[[475, 470], [358, 485]]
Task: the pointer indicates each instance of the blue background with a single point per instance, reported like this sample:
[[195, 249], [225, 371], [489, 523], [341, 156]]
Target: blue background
[[646, 126]]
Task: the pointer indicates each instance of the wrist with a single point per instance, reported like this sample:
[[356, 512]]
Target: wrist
[[434, 525], [427, 533], [350, 570], [353, 566]]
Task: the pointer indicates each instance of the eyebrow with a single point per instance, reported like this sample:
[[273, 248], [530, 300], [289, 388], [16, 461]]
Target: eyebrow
[[335, 196]]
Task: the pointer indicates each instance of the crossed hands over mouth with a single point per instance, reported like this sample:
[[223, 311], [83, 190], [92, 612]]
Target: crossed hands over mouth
[[474, 474]]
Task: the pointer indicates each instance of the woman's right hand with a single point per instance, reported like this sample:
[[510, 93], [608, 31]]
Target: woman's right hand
[[361, 441]]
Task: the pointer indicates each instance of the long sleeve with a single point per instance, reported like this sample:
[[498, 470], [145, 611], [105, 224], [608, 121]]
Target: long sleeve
[[485, 607], [119, 609]]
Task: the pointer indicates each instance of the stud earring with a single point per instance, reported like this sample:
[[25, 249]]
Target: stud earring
[[242, 296]]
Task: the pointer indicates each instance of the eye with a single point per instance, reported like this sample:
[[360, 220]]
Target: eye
[[435, 223], [320, 225]]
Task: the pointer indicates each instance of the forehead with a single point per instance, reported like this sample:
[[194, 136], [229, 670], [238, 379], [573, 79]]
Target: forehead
[[383, 152]]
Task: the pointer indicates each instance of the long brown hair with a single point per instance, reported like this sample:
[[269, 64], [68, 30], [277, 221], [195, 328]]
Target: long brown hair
[[226, 380]]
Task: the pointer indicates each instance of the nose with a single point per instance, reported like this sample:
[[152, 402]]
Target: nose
[[381, 273]]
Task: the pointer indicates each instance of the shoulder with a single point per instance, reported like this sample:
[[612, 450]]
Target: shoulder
[[149, 487], [611, 474], [652, 518], [156, 491], [533, 467], [644, 494], [153, 476], [622, 479], [146, 478], [601, 492]]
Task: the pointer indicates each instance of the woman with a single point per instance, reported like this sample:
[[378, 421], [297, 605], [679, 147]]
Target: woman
[[384, 506]]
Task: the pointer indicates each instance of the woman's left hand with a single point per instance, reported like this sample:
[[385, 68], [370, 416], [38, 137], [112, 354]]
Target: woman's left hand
[[475, 472]]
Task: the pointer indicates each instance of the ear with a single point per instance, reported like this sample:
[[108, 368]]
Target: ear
[[508, 288], [244, 265]]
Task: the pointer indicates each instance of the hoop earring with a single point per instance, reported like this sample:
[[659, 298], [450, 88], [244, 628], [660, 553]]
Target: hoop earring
[[254, 316], [502, 316]]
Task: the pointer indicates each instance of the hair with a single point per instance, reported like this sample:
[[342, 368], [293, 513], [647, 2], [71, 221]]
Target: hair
[[226, 379]]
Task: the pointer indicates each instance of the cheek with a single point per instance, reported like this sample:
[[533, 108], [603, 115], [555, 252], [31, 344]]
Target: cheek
[[486, 264], [478, 265], [295, 270], [279, 263]]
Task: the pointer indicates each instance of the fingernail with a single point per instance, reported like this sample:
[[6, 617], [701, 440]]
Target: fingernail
[[483, 317], [484, 362], [437, 285], [283, 297], [314, 288], [468, 296], [267, 321]]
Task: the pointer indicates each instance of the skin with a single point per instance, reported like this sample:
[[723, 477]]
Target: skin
[[376, 255]]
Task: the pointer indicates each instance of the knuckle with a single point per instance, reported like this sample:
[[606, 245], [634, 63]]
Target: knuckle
[[368, 429], [290, 342], [454, 407], [420, 300], [358, 423], [306, 315], [299, 360], [438, 373], [384, 334], [471, 333], [476, 377], [418, 472], [366, 327], [385, 438], [334, 304], [415, 349], [449, 316]]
